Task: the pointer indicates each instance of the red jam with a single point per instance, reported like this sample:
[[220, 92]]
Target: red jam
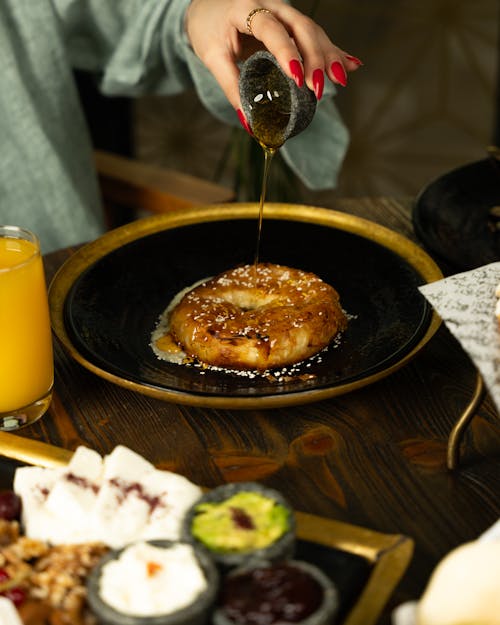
[[241, 519], [281, 593]]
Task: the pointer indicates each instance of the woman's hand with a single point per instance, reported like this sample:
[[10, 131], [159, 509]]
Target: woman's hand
[[222, 32]]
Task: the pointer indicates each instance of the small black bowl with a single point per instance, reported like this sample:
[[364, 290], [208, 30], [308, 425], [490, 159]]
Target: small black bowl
[[197, 613], [280, 549], [293, 591]]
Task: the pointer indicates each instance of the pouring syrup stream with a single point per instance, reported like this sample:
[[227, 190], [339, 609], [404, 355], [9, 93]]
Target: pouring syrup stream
[[268, 155], [271, 114]]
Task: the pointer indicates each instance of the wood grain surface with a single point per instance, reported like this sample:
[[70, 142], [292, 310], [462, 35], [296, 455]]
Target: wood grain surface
[[375, 457]]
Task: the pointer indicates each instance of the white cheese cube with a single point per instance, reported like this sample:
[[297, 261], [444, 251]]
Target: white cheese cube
[[117, 500], [119, 514], [86, 463], [33, 485], [172, 495], [125, 464], [75, 492]]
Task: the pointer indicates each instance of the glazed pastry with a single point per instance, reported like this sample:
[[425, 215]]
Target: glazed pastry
[[257, 318]]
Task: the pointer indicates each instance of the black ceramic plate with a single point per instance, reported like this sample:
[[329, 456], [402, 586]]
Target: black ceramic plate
[[106, 300], [456, 216]]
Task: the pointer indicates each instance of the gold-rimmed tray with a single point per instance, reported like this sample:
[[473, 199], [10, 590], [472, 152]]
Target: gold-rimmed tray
[[365, 565], [106, 299]]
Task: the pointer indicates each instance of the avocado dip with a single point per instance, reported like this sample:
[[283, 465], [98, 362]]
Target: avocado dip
[[241, 523]]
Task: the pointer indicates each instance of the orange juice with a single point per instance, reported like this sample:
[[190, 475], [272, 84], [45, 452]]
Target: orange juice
[[26, 363]]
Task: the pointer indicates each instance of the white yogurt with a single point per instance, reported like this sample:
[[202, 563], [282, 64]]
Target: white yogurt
[[146, 580]]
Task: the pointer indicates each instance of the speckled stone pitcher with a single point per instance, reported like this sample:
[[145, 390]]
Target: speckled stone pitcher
[[274, 106]]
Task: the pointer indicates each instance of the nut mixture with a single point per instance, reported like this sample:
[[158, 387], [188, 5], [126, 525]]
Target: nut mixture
[[53, 577]]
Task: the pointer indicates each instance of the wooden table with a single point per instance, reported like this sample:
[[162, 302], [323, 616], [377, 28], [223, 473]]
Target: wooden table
[[375, 457]]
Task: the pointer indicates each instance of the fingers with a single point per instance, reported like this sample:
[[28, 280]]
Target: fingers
[[220, 30], [216, 43], [302, 48], [226, 73]]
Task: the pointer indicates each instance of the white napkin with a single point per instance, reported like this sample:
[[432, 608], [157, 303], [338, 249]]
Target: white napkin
[[405, 614], [466, 303]]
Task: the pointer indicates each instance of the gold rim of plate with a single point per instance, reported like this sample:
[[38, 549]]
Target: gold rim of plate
[[389, 554], [92, 252]]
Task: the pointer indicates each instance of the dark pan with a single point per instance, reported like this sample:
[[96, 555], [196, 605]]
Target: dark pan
[[456, 216]]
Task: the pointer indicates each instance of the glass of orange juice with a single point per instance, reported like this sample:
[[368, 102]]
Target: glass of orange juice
[[26, 360]]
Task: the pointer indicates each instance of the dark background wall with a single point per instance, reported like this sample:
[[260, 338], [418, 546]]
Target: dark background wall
[[424, 102]]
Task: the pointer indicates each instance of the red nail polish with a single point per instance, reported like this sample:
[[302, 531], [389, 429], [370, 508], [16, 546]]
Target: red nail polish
[[339, 72], [297, 73], [354, 59], [243, 121], [318, 83]]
